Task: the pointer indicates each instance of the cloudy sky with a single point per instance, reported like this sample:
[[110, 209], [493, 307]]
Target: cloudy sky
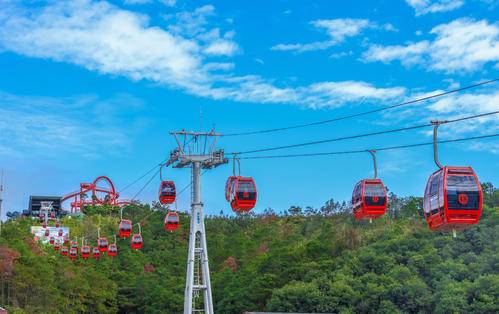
[[91, 88]]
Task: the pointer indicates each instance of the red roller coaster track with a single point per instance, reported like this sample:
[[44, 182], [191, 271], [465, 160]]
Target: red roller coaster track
[[99, 195]]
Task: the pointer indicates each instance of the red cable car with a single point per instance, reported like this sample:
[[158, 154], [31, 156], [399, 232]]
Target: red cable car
[[95, 253], [52, 240], [85, 251], [47, 232], [228, 186], [125, 228], [44, 225], [369, 199], [52, 215], [102, 244], [57, 246], [60, 233], [64, 251], [73, 253], [74, 244], [57, 224], [113, 250], [136, 241], [42, 217], [242, 194], [172, 221], [66, 241], [453, 199], [453, 195], [167, 192]]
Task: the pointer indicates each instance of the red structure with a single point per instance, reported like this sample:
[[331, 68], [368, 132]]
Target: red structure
[[453, 199], [113, 250], [369, 199], [242, 194], [172, 221], [167, 192], [93, 194]]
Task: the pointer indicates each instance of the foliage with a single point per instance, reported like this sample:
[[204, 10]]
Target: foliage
[[304, 260]]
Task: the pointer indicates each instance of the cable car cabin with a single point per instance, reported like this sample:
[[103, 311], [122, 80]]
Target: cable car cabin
[[41, 216], [66, 241], [73, 253], [369, 199], [136, 241], [125, 228], [57, 246], [52, 240], [172, 221], [57, 224], [74, 245], [167, 192], [64, 251], [47, 232], [242, 194], [228, 186], [95, 253], [102, 244], [113, 250], [60, 233], [44, 225], [85, 251], [453, 199], [52, 215]]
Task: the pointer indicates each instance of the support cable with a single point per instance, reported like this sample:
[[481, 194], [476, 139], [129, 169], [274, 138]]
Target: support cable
[[452, 91], [362, 135], [367, 150]]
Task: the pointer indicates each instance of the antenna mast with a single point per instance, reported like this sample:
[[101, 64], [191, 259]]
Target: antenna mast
[[196, 150]]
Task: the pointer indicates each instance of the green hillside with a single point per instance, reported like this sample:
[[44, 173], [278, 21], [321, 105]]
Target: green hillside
[[302, 260]]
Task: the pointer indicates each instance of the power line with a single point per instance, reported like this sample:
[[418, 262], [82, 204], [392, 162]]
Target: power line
[[360, 135], [366, 150], [452, 91]]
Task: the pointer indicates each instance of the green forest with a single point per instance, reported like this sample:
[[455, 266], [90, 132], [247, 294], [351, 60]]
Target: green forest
[[295, 260]]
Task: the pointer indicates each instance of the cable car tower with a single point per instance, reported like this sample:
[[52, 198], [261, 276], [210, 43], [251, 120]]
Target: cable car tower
[[196, 150]]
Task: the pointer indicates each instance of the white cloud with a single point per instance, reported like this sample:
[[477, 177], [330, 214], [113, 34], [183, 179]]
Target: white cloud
[[169, 3], [409, 54], [461, 45], [422, 7], [336, 93], [337, 30], [83, 125], [341, 54], [101, 37], [221, 48]]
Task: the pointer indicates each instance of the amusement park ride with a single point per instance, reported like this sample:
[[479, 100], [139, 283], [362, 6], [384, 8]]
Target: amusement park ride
[[99, 195]]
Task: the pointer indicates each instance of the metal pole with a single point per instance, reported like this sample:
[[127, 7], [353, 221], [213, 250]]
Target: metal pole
[[197, 229], [436, 124]]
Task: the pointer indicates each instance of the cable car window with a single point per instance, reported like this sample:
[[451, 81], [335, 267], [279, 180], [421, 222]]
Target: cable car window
[[461, 183], [462, 193], [434, 193], [137, 240], [374, 190], [357, 190], [246, 190], [167, 190]]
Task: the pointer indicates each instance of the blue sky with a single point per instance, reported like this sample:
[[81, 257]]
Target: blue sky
[[91, 88]]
